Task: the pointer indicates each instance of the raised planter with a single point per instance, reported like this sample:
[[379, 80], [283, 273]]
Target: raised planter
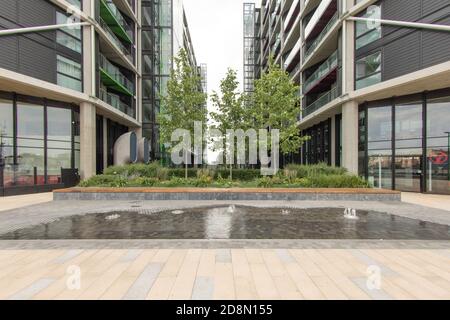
[[236, 194]]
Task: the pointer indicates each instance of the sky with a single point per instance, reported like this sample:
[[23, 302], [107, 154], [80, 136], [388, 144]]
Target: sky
[[216, 28]]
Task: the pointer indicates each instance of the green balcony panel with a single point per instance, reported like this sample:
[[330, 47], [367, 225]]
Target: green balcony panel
[[114, 20], [109, 81]]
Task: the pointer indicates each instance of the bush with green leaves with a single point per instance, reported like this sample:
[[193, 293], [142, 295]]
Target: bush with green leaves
[[294, 176]]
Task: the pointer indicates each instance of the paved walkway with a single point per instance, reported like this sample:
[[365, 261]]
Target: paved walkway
[[15, 202], [313, 270], [225, 274], [428, 200]]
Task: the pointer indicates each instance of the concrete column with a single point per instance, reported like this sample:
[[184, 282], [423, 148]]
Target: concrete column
[[350, 136], [333, 140], [88, 163]]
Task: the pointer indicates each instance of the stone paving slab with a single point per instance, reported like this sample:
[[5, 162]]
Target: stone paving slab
[[377, 274]]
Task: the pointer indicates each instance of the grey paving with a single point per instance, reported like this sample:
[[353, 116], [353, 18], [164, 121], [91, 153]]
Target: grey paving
[[33, 289], [375, 294], [223, 256], [69, 255], [369, 261], [141, 287], [203, 288], [131, 255]]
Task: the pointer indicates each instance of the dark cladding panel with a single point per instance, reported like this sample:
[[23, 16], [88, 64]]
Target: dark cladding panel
[[9, 9], [36, 13], [8, 53], [402, 56], [404, 10], [436, 46], [430, 6], [36, 60]]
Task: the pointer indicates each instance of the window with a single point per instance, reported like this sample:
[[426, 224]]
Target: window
[[59, 142], [368, 70], [68, 73], [368, 32], [6, 131], [30, 143], [146, 40], [68, 37]]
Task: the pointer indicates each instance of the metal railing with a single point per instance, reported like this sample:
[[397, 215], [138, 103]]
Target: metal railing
[[308, 51], [120, 19], [115, 73], [112, 36], [325, 98], [321, 72], [114, 101]]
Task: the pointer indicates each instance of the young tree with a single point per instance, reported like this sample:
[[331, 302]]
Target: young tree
[[184, 103], [275, 104], [230, 113]]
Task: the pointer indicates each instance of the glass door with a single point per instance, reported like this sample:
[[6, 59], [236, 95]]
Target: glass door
[[408, 147]]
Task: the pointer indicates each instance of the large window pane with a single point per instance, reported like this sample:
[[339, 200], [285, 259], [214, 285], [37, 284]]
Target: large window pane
[[69, 73], [146, 40], [368, 32], [438, 146], [368, 70], [379, 139], [6, 131], [408, 147], [30, 141], [68, 37]]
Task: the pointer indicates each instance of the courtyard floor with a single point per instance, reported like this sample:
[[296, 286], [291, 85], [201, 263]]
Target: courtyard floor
[[210, 269]]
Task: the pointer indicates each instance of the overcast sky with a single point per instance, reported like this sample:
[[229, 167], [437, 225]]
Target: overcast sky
[[217, 34]]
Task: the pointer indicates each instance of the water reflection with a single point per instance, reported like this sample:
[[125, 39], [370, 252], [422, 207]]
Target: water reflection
[[238, 222]]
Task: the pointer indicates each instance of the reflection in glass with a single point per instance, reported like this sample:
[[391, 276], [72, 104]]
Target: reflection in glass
[[438, 146], [408, 143], [379, 140]]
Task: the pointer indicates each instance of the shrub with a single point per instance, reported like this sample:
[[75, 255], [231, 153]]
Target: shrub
[[162, 173], [206, 173], [337, 181], [241, 174], [265, 182], [136, 170], [105, 181], [143, 182], [305, 171]]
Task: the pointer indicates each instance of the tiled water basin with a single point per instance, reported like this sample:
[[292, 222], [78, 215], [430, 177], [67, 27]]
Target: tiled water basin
[[235, 222]]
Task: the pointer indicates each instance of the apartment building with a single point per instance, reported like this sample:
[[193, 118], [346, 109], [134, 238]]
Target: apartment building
[[67, 94], [165, 31], [375, 93]]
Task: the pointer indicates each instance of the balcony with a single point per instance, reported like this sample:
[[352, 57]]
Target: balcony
[[112, 77], [309, 50], [324, 99], [113, 17], [114, 39], [293, 54], [114, 101], [324, 12], [325, 71]]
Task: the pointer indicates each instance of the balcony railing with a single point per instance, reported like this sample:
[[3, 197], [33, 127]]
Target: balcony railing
[[324, 69], [114, 39], [114, 101], [112, 77], [322, 35], [113, 17], [325, 98]]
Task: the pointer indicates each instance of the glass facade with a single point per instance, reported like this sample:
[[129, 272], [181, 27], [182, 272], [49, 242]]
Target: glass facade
[[368, 70], [68, 37], [69, 73], [368, 32], [318, 148], [404, 143], [157, 54], [38, 138]]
